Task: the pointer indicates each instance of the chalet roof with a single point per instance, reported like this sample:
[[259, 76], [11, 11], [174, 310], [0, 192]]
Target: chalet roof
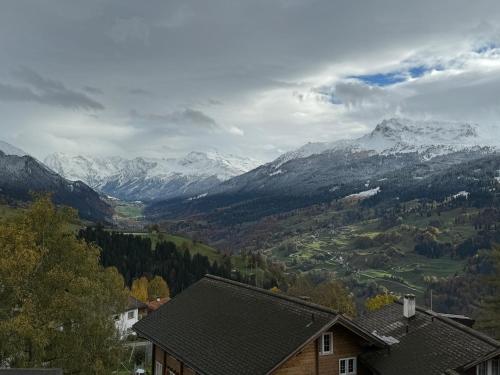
[[425, 344], [221, 327]]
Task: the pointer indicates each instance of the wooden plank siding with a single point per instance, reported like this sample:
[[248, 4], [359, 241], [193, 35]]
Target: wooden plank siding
[[308, 361], [303, 363], [345, 345]]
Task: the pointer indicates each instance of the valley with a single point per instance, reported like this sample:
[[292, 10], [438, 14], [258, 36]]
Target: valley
[[284, 187], [391, 211]]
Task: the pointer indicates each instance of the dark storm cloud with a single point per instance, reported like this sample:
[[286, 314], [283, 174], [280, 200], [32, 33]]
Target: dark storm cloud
[[45, 91], [186, 121], [264, 60], [140, 92], [93, 90]]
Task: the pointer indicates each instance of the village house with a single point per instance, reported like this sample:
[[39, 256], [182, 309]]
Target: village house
[[222, 327], [134, 311]]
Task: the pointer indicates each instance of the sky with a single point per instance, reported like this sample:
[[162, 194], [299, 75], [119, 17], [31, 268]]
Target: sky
[[251, 78]]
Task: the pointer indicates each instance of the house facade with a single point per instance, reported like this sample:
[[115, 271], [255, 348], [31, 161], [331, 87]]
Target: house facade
[[125, 320], [316, 357], [221, 327]]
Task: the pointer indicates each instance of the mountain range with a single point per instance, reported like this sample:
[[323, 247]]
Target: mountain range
[[206, 182], [319, 172], [401, 135], [22, 175], [150, 178]]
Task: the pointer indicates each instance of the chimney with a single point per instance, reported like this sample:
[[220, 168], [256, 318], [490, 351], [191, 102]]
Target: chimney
[[409, 306]]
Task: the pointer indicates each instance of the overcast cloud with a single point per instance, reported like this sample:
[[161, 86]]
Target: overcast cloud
[[255, 78]]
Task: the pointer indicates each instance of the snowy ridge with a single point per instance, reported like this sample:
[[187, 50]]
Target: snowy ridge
[[150, 178], [399, 135], [363, 194], [8, 149]]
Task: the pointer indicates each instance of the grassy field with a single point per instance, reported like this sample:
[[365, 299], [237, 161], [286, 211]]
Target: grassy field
[[401, 271], [129, 210], [195, 247]]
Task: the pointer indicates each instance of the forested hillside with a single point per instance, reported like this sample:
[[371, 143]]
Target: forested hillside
[[178, 260], [428, 226], [134, 256]]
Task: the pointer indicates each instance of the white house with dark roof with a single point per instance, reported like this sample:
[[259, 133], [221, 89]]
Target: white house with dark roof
[[125, 320]]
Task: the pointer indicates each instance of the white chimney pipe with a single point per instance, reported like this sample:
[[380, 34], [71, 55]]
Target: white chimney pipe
[[409, 306]]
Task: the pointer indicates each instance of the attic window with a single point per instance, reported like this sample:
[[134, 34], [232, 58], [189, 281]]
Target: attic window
[[326, 345], [348, 366]]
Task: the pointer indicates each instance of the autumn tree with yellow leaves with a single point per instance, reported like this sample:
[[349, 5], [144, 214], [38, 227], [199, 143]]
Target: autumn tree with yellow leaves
[[377, 302], [57, 301], [147, 290]]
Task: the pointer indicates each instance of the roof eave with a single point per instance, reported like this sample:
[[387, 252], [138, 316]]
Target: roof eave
[[486, 357], [302, 346], [168, 350]]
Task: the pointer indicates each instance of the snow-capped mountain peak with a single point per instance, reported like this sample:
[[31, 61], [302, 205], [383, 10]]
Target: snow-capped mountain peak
[[425, 132], [400, 135], [150, 178], [8, 149]]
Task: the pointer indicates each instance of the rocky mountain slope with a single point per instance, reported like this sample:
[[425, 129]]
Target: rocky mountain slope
[[151, 178], [391, 145], [400, 135], [321, 172], [8, 149], [22, 175]]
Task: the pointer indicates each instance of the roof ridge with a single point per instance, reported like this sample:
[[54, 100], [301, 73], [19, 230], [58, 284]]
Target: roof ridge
[[273, 294], [459, 326]]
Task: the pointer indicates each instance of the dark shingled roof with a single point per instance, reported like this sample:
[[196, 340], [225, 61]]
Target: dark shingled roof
[[432, 345], [221, 327], [31, 371]]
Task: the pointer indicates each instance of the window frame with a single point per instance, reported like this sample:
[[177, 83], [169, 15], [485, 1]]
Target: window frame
[[346, 362], [322, 343], [130, 312], [158, 366]]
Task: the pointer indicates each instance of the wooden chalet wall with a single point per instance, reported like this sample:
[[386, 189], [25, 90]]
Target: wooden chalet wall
[[306, 362]]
